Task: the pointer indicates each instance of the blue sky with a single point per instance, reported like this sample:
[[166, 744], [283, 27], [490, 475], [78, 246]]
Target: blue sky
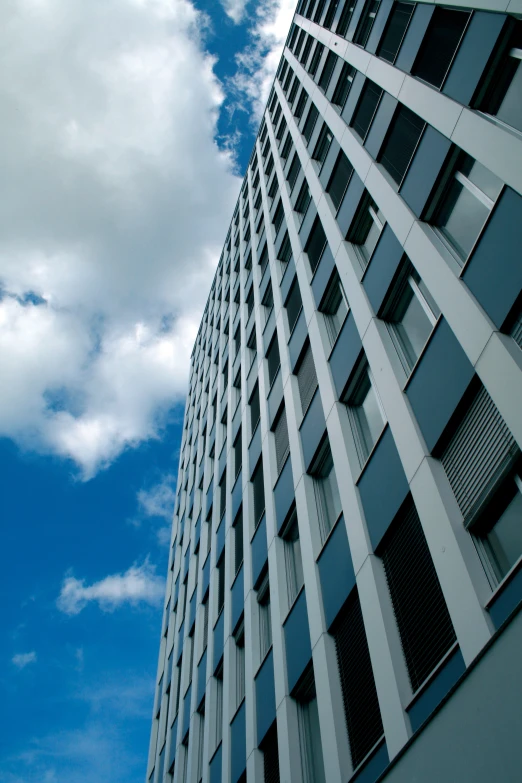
[[127, 125]]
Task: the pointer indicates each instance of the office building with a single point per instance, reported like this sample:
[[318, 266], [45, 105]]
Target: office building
[[345, 571]]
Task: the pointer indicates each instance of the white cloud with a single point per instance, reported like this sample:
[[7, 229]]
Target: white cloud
[[21, 660], [257, 64], [116, 201], [158, 500], [235, 9], [139, 584]]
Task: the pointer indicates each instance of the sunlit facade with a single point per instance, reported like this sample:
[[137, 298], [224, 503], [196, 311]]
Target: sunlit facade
[[345, 570]]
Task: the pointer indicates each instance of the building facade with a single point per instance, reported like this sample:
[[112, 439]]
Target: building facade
[[345, 570]]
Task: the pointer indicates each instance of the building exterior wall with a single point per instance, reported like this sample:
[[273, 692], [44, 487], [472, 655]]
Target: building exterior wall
[[217, 729]]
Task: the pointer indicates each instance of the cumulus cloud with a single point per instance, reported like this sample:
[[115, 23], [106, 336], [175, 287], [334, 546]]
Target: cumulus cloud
[[115, 202], [235, 9], [139, 584], [257, 63], [21, 660], [158, 500]]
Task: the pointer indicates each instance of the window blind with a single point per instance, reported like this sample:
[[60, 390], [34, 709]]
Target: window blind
[[440, 44], [480, 452], [361, 707], [395, 30], [423, 619], [306, 378], [401, 143], [271, 756], [282, 445], [366, 108]]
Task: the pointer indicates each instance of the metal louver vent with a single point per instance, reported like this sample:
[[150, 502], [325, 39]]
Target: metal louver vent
[[307, 379], [281, 440], [423, 619], [479, 453], [361, 707], [271, 756]]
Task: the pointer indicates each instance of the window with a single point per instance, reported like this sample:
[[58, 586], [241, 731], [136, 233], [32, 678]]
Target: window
[[316, 244], [309, 125], [254, 409], [338, 182], [334, 307], [240, 666], [364, 27], [345, 18], [482, 463], [401, 143], [361, 707], [273, 360], [220, 570], [270, 755], [293, 305], [278, 217], [468, 196], [306, 378], [319, 11], [282, 445], [344, 85], [250, 301], [252, 348], [366, 229], [238, 454], [326, 490], [314, 63], [263, 259], [439, 45], [323, 144], [237, 388], [422, 616], [500, 94], [272, 191], [201, 736], [269, 166], [223, 494], [238, 541], [366, 414], [293, 91], [293, 559], [204, 636], [301, 103], [259, 493], [326, 73], [395, 31], [366, 108], [310, 744], [411, 316], [237, 340], [288, 79], [306, 50], [287, 146], [281, 130], [303, 199], [268, 301], [285, 250], [265, 621], [330, 13], [218, 718], [300, 41]]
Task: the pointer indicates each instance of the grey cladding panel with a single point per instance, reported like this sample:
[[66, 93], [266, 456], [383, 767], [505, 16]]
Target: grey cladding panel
[[424, 169], [473, 54], [494, 273], [440, 379]]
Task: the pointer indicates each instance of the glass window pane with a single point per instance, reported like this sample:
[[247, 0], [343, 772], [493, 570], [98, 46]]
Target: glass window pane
[[504, 541], [414, 328], [510, 110], [484, 179], [462, 218], [373, 417]]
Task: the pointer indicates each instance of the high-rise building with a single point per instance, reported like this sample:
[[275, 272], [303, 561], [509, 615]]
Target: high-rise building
[[345, 572]]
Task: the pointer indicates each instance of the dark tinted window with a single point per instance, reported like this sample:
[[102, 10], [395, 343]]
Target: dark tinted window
[[439, 45], [401, 142]]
